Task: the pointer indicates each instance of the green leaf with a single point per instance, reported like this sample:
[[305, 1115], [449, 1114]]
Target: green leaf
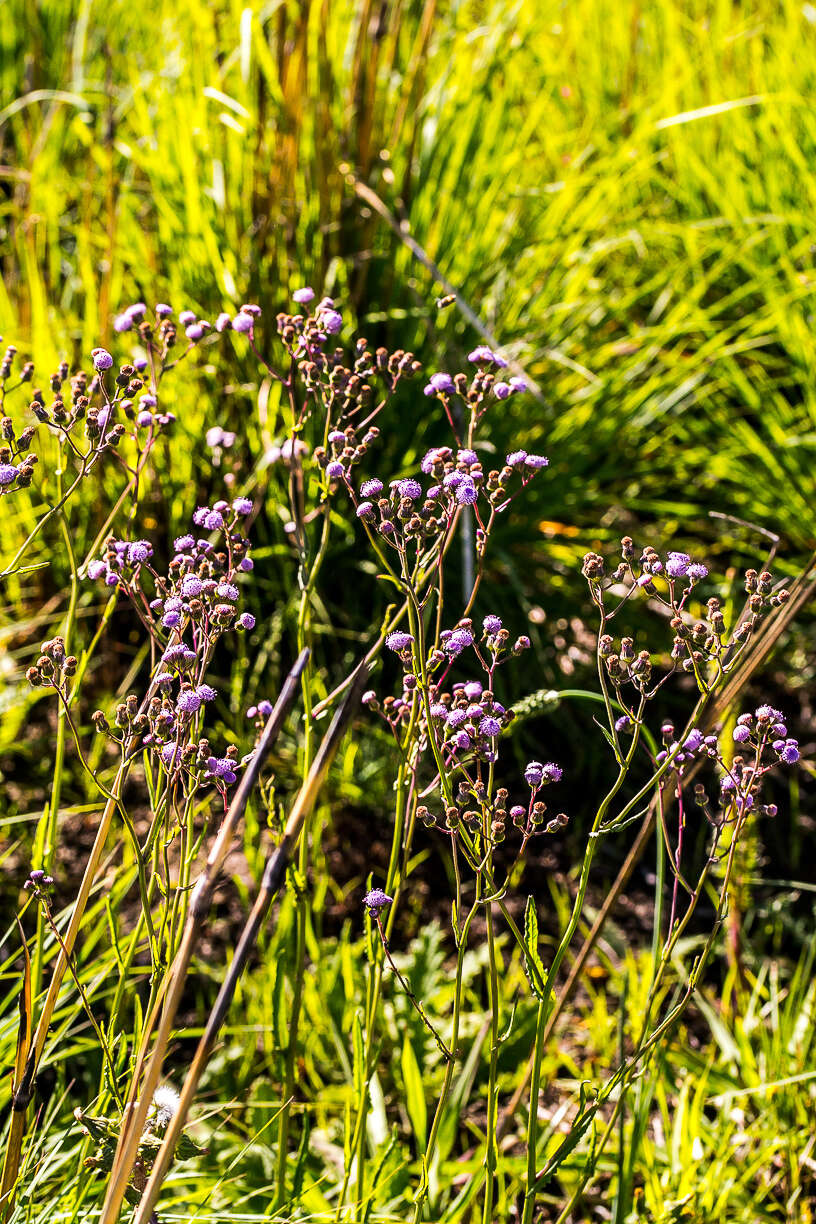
[[533, 964], [414, 1094]]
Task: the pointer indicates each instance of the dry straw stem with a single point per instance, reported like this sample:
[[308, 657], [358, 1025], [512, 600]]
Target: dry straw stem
[[135, 1112], [801, 590], [274, 872]]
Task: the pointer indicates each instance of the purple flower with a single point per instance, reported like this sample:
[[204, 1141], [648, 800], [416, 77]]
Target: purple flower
[[147, 401], [195, 331], [491, 624], [102, 359], [188, 702], [458, 641], [213, 520], [790, 752], [206, 692], [243, 322], [122, 323], [227, 590], [398, 640], [409, 488], [139, 551], [453, 480], [482, 355], [534, 773], [265, 708], [518, 384], [8, 473], [677, 564], [376, 900], [467, 456], [335, 470], [473, 690], [221, 767], [442, 382], [365, 510], [467, 494], [371, 488], [456, 718], [180, 655], [516, 458], [623, 723], [741, 734], [536, 462], [96, 569], [697, 572], [489, 726], [304, 296], [338, 437], [251, 309], [187, 317], [171, 620], [186, 542], [438, 710], [502, 390], [242, 505], [246, 621], [553, 772], [693, 740], [223, 322], [162, 310], [331, 321], [170, 755], [461, 741], [246, 564]]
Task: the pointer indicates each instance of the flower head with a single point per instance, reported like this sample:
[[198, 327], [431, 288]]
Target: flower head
[[398, 640], [102, 359], [376, 900]]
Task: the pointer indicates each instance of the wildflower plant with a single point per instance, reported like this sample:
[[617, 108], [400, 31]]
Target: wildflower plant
[[449, 721]]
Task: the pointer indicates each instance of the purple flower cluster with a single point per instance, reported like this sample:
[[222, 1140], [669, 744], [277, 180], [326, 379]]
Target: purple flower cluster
[[469, 719], [121, 562]]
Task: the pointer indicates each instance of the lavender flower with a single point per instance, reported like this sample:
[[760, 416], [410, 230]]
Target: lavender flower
[[8, 473], [371, 488], [398, 640], [376, 900], [332, 321], [458, 641], [243, 322], [466, 493], [304, 296], [222, 768], [102, 359]]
